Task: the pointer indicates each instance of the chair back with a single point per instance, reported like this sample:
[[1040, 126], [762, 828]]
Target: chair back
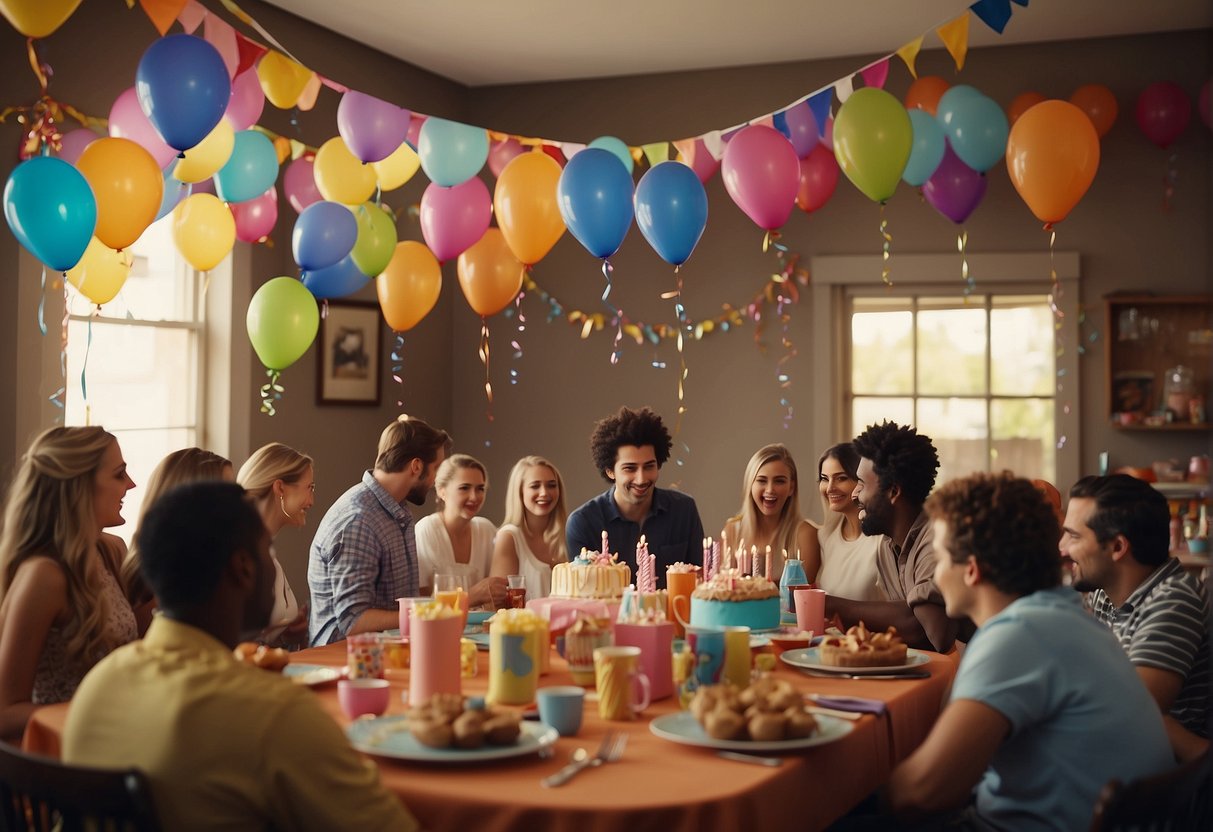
[[38, 794], [1174, 801]]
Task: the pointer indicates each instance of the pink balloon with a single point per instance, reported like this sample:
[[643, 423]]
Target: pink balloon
[[256, 217], [1203, 105], [761, 174], [127, 121], [704, 164], [454, 219], [299, 184], [818, 179], [247, 101], [415, 122], [954, 189], [1163, 112], [500, 154], [73, 143]]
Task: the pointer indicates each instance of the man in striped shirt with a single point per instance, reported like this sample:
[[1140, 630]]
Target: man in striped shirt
[[1115, 543]]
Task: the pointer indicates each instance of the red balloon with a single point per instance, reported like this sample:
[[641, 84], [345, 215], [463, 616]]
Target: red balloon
[[1163, 112], [818, 179]]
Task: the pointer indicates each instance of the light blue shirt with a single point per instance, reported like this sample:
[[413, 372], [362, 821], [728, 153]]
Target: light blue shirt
[[1079, 713]]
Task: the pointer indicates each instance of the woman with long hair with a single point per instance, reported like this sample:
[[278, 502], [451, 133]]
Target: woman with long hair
[[531, 539], [282, 483], [770, 515], [848, 557], [61, 603]]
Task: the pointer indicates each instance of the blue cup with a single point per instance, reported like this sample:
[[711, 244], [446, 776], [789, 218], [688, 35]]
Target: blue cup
[[560, 707], [707, 644]]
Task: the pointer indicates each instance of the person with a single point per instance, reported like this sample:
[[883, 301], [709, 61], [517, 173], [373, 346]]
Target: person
[[1044, 709], [224, 744], [531, 540], [770, 515], [1115, 544], [629, 448], [453, 540], [61, 603], [896, 472], [364, 555], [179, 467], [282, 483], [848, 556]]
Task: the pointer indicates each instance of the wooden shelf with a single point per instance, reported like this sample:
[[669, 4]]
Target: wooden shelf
[[1173, 426]]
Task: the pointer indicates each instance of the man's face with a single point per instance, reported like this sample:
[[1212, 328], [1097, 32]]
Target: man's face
[[1089, 562], [260, 602], [421, 490], [949, 576], [635, 473], [875, 510]]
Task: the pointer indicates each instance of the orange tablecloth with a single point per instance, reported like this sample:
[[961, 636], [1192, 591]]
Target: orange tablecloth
[[657, 785]]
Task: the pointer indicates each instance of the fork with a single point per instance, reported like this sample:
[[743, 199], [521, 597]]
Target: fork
[[609, 750]]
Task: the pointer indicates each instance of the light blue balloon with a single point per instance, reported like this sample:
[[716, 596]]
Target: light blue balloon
[[926, 151], [616, 146], [324, 233], [975, 125], [174, 191], [451, 153], [335, 281], [251, 169], [595, 199], [183, 89], [671, 210], [51, 210]]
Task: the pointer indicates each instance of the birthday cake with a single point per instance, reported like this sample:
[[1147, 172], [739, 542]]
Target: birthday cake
[[590, 575], [731, 599], [861, 647]]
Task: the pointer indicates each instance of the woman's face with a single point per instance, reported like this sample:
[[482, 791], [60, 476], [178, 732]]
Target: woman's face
[[110, 484], [540, 490], [464, 494], [298, 497], [771, 487], [836, 485]]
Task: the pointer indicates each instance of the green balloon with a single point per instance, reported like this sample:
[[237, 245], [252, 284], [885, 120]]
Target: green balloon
[[282, 322], [872, 141], [376, 241]]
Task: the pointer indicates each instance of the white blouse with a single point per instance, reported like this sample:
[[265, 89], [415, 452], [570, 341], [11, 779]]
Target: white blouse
[[538, 574], [286, 608], [848, 567], [436, 556]]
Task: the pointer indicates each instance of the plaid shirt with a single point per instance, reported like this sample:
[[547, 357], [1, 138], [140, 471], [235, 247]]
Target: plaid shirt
[[364, 556]]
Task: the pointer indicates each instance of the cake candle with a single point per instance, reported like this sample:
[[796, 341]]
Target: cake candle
[[715, 560], [768, 572], [605, 547], [753, 564]]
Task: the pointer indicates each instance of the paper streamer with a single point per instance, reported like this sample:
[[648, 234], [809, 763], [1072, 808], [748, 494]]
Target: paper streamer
[[483, 352], [962, 244], [271, 392], [397, 356], [888, 242]]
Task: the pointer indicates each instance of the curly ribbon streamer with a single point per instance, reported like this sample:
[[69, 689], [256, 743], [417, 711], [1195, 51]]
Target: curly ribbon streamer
[[42, 304], [962, 244], [271, 392], [88, 347], [888, 242], [484, 358], [44, 116], [616, 348], [517, 342], [397, 356], [1168, 181]]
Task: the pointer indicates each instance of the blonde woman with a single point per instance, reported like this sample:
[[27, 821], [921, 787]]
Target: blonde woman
[[770, 514], [178, 468], [531, 540], [282, 483], [453, 540], [848, 557], [61, 603]]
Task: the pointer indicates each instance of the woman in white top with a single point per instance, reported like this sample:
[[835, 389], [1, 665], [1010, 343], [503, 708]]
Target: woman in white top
[[282, 483], [848, 556], [531, 540], [453, 540]]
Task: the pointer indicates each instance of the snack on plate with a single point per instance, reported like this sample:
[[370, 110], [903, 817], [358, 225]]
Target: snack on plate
[[450, 720], [769, 710], [590, 575], [862, 648], [259, 655], [731, 599]]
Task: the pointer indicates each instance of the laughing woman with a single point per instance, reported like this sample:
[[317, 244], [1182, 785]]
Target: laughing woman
[[848, 557], [531, 540]]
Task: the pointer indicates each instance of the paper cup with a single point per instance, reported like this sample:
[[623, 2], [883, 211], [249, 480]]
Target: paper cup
[[617, 674]]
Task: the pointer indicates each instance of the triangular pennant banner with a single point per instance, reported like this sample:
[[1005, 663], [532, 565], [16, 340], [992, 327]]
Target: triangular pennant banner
[[909, 54], [219, 34], [955, 36], [843, 88], [336, 86], [656, 153], [298, 148], [876, 74], [1023, 3], [714, 144], [764, 121], [571, 149], [820, 105], [249, 50], [191, 16], [311, 90], [162, 13], [686, 151], [993, 13]]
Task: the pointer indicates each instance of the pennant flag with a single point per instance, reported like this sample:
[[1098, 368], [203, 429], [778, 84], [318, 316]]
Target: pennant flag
[[843, 88], [955, 36], [780, 122], [993, 13], [571, 149], [656, 153], [876, 74], [249, 50], [247, 19], [820, 105], [909, 54], [686, 151], [191, 16], [336, 86], [162, 13], [219, 34], [714, 144], [764, 121], [311, 90], [1023, 3], [298, 148]]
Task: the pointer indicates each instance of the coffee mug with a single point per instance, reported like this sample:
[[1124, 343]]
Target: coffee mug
[[617, 673], [363, 696], [679, 586], [560, 707]]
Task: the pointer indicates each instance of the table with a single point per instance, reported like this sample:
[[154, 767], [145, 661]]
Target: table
[[657, 785]]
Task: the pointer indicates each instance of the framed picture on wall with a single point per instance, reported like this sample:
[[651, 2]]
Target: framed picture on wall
[[351, 342]]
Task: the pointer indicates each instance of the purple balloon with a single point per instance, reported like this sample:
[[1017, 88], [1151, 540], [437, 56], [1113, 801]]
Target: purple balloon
[[73, 143], [127, 121], [372, 128], [801, 129], [954, 189], [247, 101], [324, 233], [502, 153], [762, 174], [299, 184], [454, 219]]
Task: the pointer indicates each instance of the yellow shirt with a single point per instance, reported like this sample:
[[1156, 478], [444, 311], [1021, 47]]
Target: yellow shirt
[[225, 745]]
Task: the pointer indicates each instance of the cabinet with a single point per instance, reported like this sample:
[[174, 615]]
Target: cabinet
[[1145, 336]]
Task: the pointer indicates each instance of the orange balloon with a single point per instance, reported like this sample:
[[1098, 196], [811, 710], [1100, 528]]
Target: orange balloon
[[1099, 104], [489, 274], [128, 185], [409, 287], [1021, 104], [1052, 156], [926, 92], [527, 207]]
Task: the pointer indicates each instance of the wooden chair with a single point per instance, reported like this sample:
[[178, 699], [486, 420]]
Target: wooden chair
[[38, 794], [1175, 801]]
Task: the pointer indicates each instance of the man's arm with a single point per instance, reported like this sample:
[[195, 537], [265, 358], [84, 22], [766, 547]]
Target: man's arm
[[1164, 686], [373, 621], [940, 630], [880, 615]]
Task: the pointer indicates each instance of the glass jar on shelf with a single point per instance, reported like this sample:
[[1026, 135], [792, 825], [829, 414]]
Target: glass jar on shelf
[[1179, 387]]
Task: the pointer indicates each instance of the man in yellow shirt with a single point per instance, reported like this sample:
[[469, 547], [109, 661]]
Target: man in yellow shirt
[[225, 745]]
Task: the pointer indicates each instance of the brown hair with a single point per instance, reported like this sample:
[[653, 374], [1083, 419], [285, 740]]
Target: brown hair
[[407, 439]]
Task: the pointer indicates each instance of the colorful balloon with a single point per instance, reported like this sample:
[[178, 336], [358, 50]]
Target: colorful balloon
[[299, 184], [204, 231], [1099, 104], [101, 272], [51, 210], [799, 126], [671, 210], [925, 92], [73, 143], [282, 322], [255, 218], [454, 218], [1021, 103], [174, 191], [618, 148], [371, 128], [282, 80], [1052, 157], [127, 121], [502, 153], [409, 286], [247, 101], [324, 233], [37, 18], [335, 281], [183, 88], [872, 141], [702, 162], [128, 185], [927, 150], [397, 168], [251, 169], [376, 241], [1163, 112], [451, 153], [489, 273], [595, 194], [954, 189], [340, 177], [761, 173], [975, 125], [527, 206], [818, 179], [205, 159]]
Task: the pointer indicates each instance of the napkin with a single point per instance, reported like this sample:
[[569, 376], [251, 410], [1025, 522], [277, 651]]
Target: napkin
[[854, 704]]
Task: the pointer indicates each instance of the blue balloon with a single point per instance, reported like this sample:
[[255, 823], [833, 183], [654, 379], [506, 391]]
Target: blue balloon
[[183, 89], [51, 210], [335, 281], [671, 210], [324, 233], [174, 191], [976, 127], [451, 153], [250, 170], [926, 152], [595, 199], [616, 146]]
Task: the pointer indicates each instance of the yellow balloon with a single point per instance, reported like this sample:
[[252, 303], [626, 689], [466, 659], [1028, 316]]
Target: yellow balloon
[[282, 80], [37, 18], [397, 168], [204, 159], [101, 272], [527, 207], [128, 186], [204, 230], [409, 286], [340, 176]]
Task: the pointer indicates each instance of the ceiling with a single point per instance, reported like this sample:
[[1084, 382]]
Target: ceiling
[[489, 42]]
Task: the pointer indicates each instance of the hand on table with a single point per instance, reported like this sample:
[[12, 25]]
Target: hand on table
[[489, 592]]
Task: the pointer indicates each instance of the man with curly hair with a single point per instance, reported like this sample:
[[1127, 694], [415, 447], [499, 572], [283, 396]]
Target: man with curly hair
[[629, 448], [1045, 709], [896, 473]]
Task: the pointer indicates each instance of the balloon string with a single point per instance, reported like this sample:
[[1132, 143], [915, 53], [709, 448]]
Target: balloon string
[[616, 348], [88, 346], [517, 342], [484, 358], [271, 392], [42, 304], [1168, 181], [771, 240], [397, 356], [962, 245], [888, 241], [782, 374], [324, 309], [206, 283]]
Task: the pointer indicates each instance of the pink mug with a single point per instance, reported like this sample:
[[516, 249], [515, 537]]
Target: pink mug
[[811, 610], [363, 696]]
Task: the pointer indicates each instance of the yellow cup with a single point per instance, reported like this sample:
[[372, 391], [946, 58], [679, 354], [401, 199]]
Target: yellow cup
[[616, 673], [737, 659], [513, 667]]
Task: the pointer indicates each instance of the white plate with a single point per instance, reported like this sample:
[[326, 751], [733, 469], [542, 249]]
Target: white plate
[[481, 639], [810, 659], [683, 728], [312, 674], [757, 641], [388, 736]]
